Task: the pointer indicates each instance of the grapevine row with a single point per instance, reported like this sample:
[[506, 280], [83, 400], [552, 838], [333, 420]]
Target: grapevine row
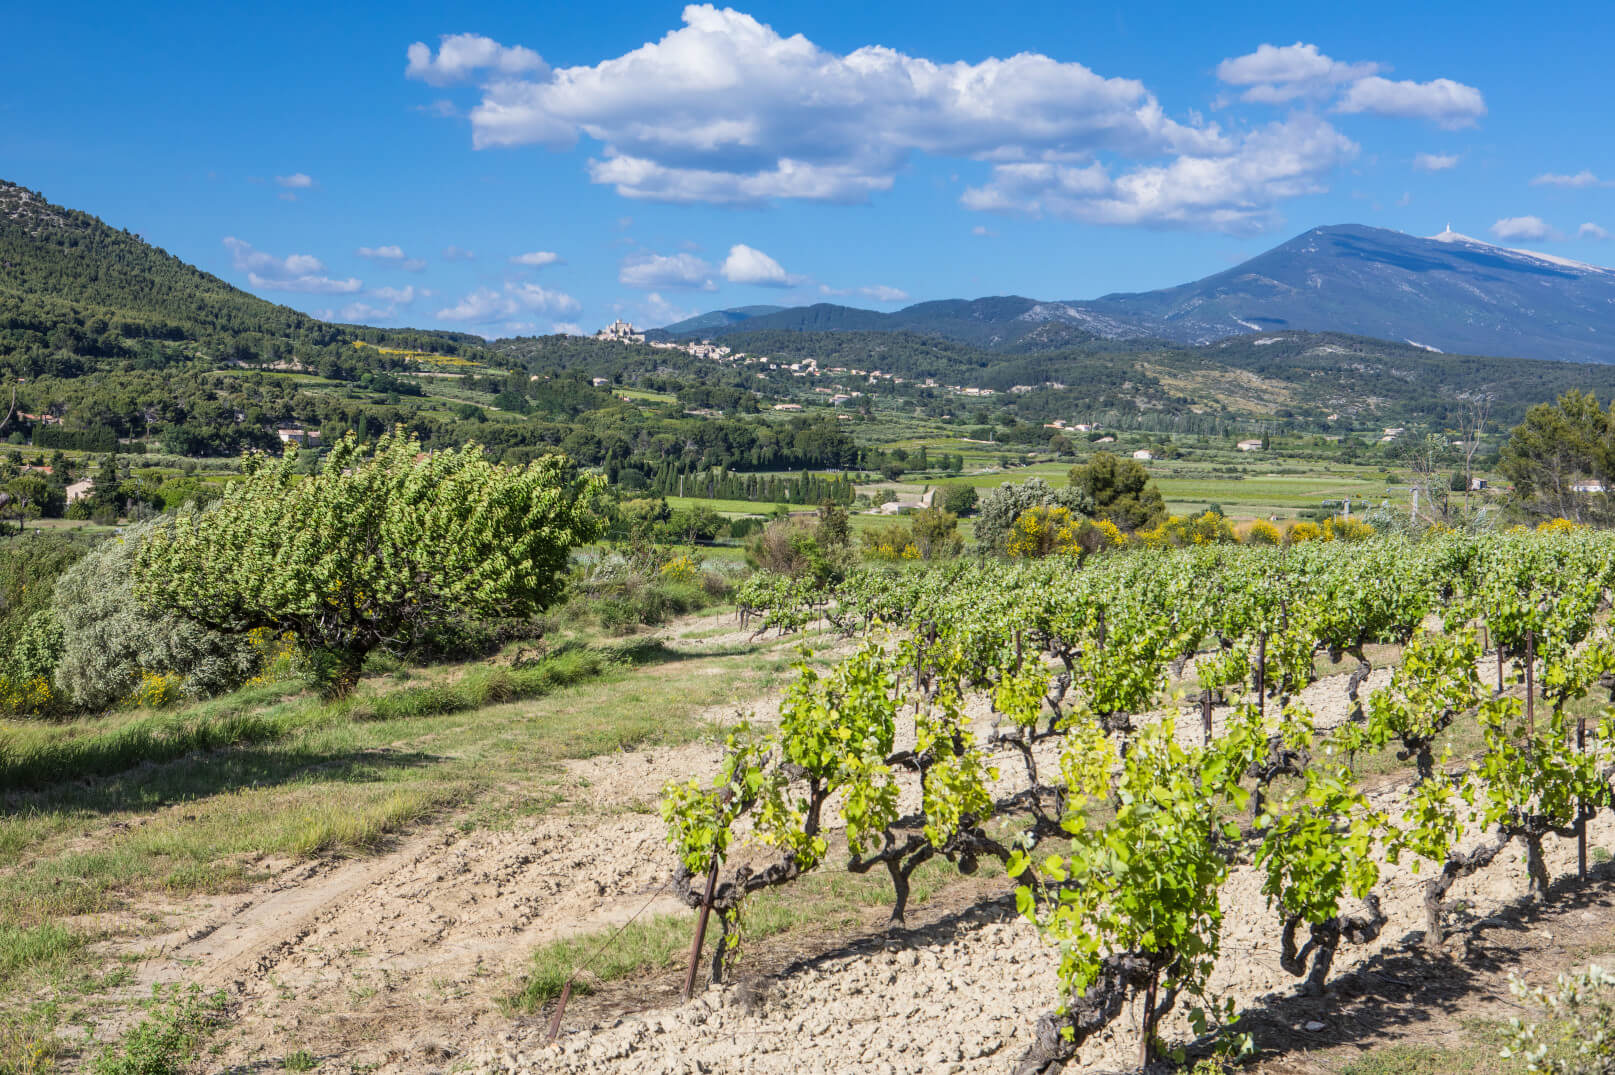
[[1073, 657]]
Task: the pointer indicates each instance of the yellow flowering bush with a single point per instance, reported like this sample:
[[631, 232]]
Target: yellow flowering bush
[[1262, 532], [1346, 530], [1177, 531], [156, 690], [1302, 531], [1557, 526], [1046, 530], [682, 568], [21, 697]]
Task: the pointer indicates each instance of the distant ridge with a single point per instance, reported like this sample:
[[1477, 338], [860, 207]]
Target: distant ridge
[[1447, 293], [718, 319]]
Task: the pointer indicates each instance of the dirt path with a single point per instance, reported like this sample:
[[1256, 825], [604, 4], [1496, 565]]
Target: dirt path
[[395, 960]]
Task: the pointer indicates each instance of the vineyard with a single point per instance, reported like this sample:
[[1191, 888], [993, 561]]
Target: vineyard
[[1122, 736]]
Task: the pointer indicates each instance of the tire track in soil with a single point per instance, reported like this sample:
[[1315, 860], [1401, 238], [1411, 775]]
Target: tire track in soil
[[394, 960]]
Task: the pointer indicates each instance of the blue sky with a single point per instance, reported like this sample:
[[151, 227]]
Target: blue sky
[[536, 167]]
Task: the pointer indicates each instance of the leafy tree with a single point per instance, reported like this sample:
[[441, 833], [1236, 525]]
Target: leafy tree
[[109, 636], [1558, 445], [959, 499], [376, 550], [1121, 491]]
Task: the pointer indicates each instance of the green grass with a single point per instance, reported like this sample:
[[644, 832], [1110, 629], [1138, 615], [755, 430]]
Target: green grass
[[35, 755], [734, 507], [166, 1042]]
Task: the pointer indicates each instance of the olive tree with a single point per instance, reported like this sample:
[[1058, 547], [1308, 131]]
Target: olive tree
[[107, 636], [379, 547]]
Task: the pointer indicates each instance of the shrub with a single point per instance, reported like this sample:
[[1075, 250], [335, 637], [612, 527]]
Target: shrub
[[997, 511], [1044, 530], [927, 534], [110, 636], [1346, 530], [156, 690], [792, 547], [1302, 531], [1578, 1035], [959, 499], [1178, 531], [1262, 532]]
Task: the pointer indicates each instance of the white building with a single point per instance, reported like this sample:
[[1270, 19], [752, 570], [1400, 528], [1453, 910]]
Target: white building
[[308, 438], [1144, 455], [1593, 486], [1249, 445], [620, 331]]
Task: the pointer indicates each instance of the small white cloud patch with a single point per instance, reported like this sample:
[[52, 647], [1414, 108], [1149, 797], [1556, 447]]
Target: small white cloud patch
[[1434, 162], [1523, 227], [748, 265], [459, 56], [651, 271]]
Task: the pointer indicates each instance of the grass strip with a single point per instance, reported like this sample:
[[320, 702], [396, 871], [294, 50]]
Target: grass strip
[[36, 755]]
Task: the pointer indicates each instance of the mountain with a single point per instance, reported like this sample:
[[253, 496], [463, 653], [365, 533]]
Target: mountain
[[1446, 293], [1004, 322], [717, 319]]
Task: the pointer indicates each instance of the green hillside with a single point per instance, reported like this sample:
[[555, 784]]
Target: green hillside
[[78, 295]]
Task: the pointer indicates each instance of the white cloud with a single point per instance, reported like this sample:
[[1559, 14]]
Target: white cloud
[[382, 253], [1234, 192], [318, 285], [666, 270], [748, 265], [295, 181], [726, 110], [1583, 178], [455, 253], [658, 311], [983, 230], [1590, 230], [1281, 74], [1276, 74], [566, 328], [1442, 101], [362, 311], [1524, 227], [401, 295], [543, 299], [295, 272], [485, 304], [536, 258], [882, 293], [413, 265], [459, 56], [1434, 162]]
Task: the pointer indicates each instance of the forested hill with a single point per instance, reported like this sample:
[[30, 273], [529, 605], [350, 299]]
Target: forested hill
[[75, 292]]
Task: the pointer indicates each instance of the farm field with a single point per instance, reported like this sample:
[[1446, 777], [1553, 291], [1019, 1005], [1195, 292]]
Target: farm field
[[405, 880]]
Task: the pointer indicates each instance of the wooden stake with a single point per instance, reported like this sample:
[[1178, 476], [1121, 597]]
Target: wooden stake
[[1530, 684], [701, 928]]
